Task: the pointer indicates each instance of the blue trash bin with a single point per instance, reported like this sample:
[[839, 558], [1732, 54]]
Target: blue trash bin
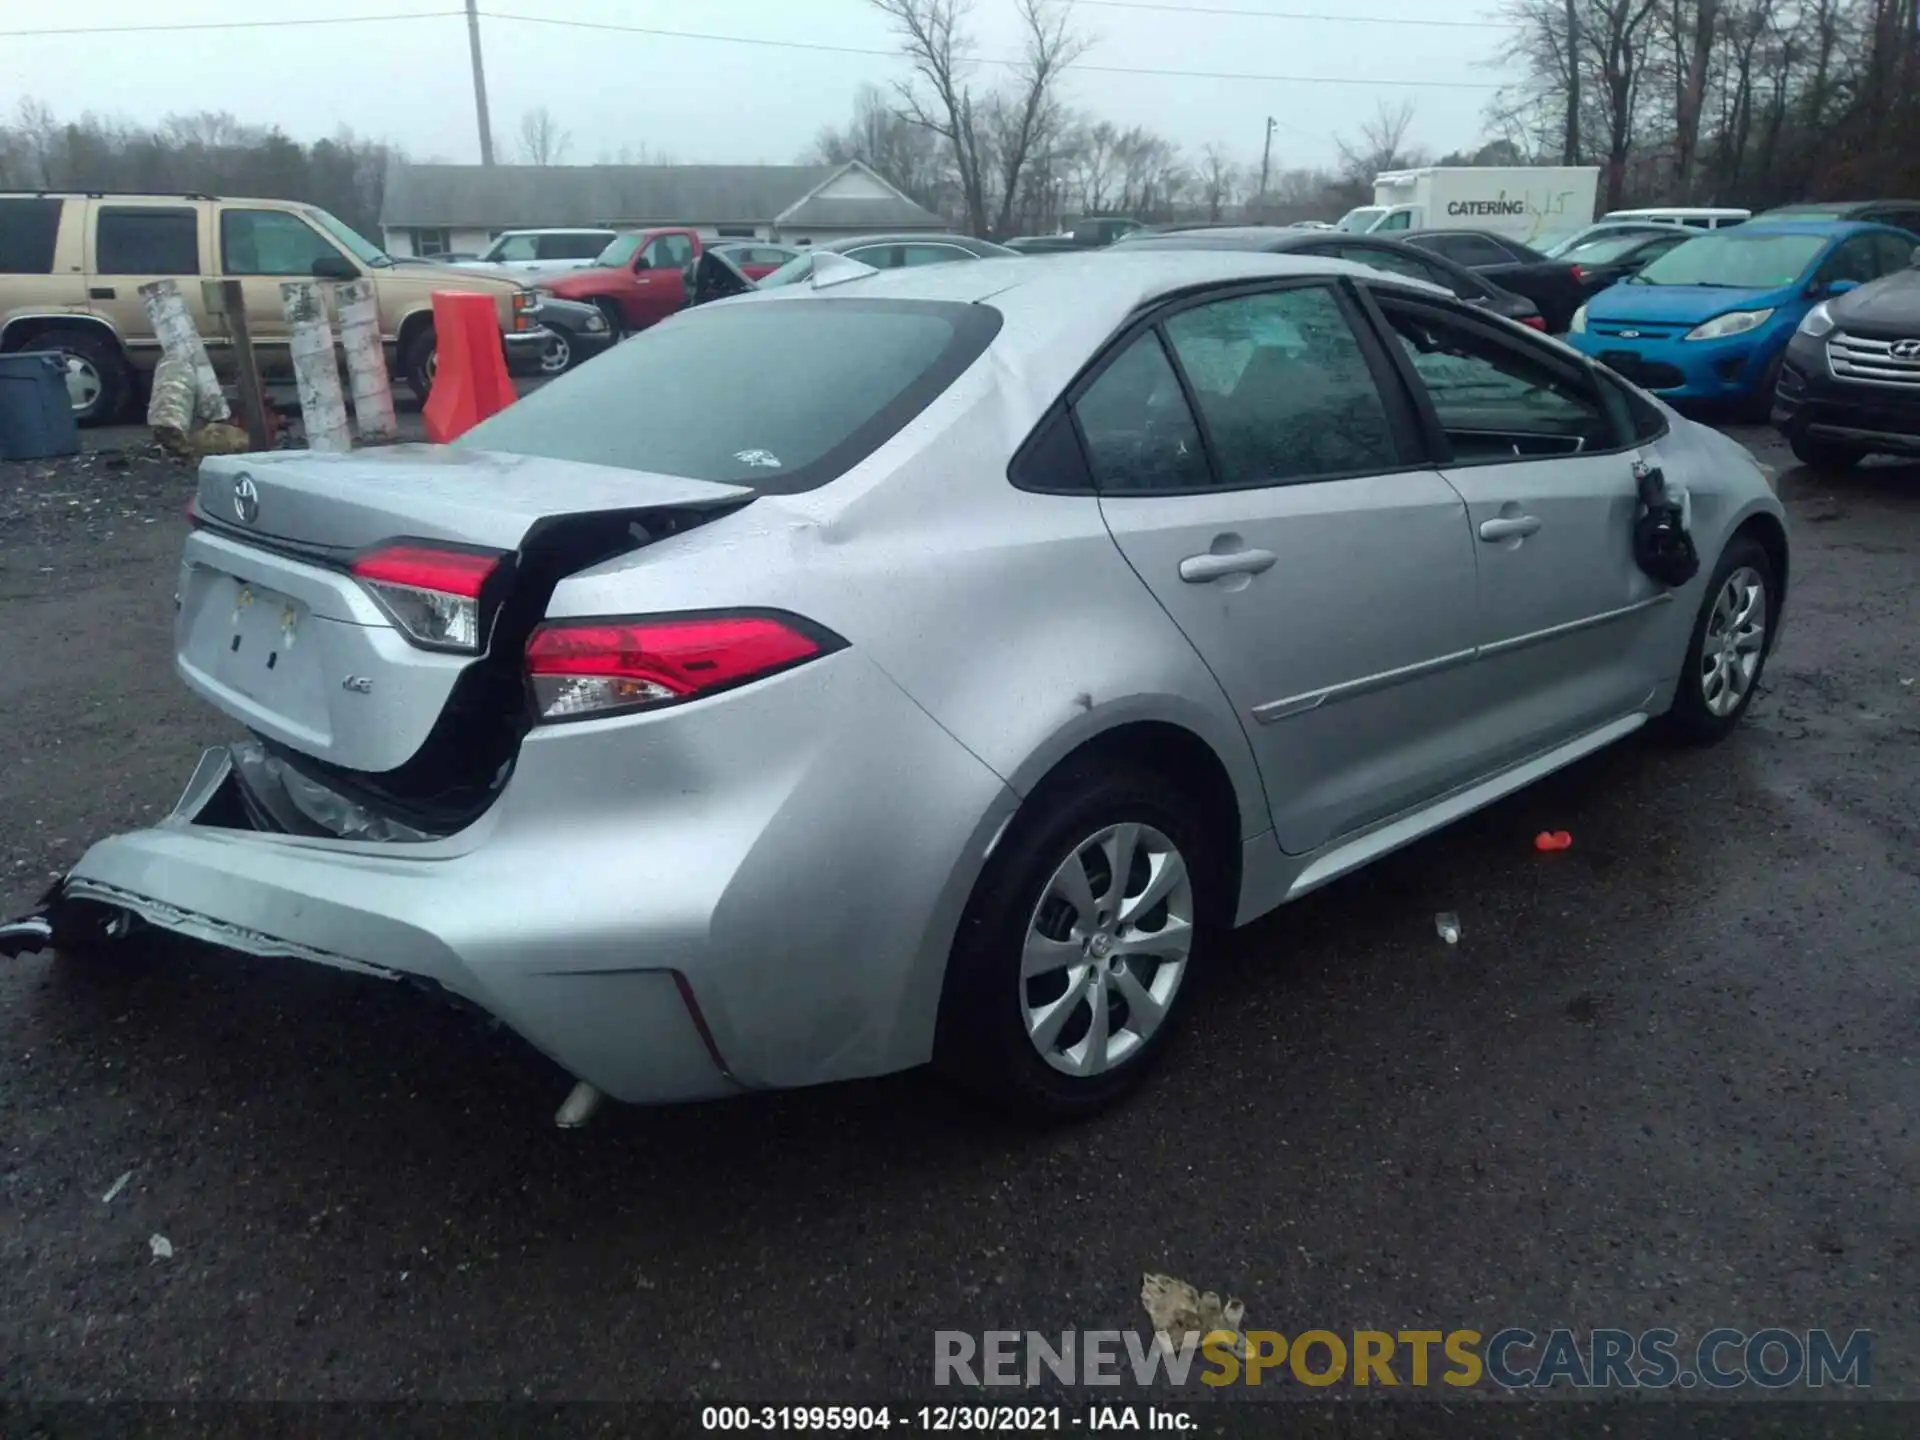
[[36, 414]]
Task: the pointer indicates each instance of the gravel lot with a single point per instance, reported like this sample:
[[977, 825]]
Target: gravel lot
[[1666, 1078]]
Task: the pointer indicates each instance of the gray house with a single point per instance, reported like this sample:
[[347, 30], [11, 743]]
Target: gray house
[[459, 209]]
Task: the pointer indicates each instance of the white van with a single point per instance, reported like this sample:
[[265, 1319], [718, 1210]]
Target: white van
[[1696, 217]]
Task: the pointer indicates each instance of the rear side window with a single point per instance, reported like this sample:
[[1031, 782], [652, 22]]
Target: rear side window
[[783, 396], [146, 240], [1139, 431], [28, 229], [1283, 387], [572, 246]]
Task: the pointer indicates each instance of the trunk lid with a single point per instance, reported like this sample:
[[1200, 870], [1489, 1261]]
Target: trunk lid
[[335, 504], [274, 629]]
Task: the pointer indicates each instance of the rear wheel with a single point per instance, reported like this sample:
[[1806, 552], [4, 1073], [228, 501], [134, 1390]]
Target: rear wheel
[[99, 381], [1825, 454], [420, 362], [1072, 966], [1728, 650]]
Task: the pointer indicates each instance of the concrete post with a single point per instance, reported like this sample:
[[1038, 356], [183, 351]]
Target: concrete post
[[315, 370], [359, 312], [173, 325]]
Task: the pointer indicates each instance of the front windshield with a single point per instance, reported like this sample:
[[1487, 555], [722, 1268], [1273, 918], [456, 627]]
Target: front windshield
[[619, 252], [798, 268], [1735, 260], [364, 250], [1599, 249], [1358, 222]]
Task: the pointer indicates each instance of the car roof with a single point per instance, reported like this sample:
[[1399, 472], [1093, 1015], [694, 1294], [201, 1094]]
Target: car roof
[[854, 242], [1802, 227], [1219, 237], [559, 230]]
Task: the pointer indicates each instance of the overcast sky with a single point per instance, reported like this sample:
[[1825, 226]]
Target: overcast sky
[[704, 100]]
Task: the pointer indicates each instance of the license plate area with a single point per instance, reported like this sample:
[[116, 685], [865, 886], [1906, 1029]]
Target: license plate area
[[260, 649], [263, 627]]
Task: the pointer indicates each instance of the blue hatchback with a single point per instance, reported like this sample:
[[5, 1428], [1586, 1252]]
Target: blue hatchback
[[1710, 319]]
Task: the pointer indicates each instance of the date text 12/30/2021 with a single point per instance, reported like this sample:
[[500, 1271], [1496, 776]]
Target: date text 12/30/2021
[[942, 1419]]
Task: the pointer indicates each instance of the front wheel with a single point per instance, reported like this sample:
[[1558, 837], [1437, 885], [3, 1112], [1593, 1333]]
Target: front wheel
[[421, 362], [1825, 454], [1073, 963], [557, 358], [1729, 647]]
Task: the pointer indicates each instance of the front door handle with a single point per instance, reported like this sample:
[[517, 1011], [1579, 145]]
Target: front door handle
[[1199, 569], [1509, 527]]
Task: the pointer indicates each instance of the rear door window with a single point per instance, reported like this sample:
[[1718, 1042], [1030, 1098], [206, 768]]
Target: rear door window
[[1283, 387], [146, 240], [831, 380], [1896, 252], [28, 229]]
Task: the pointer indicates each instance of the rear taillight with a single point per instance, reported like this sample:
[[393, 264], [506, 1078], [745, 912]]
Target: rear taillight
[[1578, 273], [1534, 322], [584, 668], [432, 593]]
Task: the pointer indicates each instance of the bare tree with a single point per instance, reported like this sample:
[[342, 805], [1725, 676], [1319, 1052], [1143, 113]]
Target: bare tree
[[542, 141], [1382, 144], [38, 138], [1219, 181], [992, 136]]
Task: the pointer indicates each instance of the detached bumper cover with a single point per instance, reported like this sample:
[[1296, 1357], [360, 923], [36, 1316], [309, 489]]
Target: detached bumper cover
[[661, 919]]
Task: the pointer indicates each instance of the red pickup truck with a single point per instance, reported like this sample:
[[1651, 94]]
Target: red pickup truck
[[637, 280]]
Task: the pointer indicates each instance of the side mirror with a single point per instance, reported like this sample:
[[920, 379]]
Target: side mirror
[[1841, 287], [334, 267], [640, 263]]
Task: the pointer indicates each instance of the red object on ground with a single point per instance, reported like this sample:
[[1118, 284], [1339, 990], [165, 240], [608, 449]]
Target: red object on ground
[[1553, 840], [470, 370]]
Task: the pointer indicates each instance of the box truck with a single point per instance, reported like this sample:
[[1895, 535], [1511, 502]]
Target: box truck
[[1530, 203]]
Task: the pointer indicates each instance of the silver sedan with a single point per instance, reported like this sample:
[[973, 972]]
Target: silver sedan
[[929, 665]]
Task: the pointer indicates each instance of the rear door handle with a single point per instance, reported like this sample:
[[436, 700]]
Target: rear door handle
[[1508, 527], [1199, 569]]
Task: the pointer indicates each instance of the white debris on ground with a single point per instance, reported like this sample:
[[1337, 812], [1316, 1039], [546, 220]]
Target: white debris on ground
[[1447, 926], [1178, 1310], [161, 1247], [114, 1190]]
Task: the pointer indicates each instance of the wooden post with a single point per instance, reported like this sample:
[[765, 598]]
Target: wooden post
[[253, 408]]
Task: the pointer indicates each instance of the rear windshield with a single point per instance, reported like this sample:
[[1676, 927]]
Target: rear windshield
[[782, 396]]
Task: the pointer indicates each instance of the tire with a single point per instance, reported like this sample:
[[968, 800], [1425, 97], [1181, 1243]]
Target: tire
[[557, 358], [616, 317], [419, 362], [1704, 711], [1757, 408], [99, 381], [1824, 454], [995, 1024]]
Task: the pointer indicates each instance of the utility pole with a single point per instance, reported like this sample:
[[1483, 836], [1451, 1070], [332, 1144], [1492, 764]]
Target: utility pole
[[1266, 159], [479, 83]]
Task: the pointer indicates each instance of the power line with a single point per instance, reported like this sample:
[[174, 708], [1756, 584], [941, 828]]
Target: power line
[[1172, 9], [1081, 65], [231, 24]]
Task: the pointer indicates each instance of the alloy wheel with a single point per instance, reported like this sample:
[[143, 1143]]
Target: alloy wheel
[[557, 356], [1735, 639], [1106, 949]]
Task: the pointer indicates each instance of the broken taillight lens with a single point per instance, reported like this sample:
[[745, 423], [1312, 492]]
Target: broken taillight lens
[[431, 593], [584, 668]]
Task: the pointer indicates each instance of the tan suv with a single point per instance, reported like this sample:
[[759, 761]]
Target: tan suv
[[71, 268]]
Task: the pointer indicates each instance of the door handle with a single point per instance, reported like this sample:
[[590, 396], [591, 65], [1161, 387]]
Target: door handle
[[1199, 569], [1509, 527]]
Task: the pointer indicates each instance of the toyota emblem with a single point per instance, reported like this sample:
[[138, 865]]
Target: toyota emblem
[[246, 500], [1906, 349]]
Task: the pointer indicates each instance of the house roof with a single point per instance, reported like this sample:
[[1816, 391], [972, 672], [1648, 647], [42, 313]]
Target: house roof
[[502, 197]]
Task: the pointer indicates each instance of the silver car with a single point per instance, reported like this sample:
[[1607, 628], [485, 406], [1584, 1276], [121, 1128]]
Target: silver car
[[949, 696]]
